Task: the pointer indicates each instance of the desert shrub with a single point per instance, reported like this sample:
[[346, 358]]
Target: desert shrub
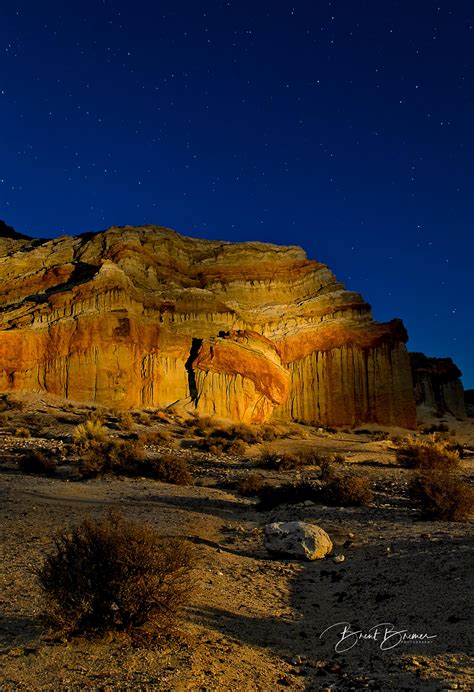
[[156, 436], [168, 468], [5, 420], [118, 457], [340, 491], [427, 454], [251, 484], [435, 428], [442, 495], [327, 469], [91, 431], [221, 445], [271, 496], [96, 415], [245, 433], [142, 418], [201, 425], [35, 461], [125, 420], [347, 491], [9, 404], [289, 460], [22, 432], [115, 574]]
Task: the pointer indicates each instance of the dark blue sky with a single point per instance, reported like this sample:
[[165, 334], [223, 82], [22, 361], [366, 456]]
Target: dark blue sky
[[345, 127]]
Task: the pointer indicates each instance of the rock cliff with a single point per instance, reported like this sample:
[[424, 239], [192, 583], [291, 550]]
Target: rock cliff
[[134, 317], [437, 385]]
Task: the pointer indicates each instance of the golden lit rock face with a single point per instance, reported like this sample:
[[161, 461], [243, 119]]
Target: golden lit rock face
[[135, 317]]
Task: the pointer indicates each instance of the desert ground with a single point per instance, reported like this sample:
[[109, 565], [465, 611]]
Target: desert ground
[[255, 621]]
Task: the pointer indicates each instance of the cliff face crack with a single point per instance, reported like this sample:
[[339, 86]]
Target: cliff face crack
[[193, 390]]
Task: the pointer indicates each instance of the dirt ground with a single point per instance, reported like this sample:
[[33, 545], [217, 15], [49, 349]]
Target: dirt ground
[[255, 622]]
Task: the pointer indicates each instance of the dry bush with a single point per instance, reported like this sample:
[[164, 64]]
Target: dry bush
[[271, 496], [125, 420], [99, 458], [290, 460], [91, 431], [168, 468], [435, 428], [201, 425], [9, 404], [97, 415], [427, 454], [251, 484], [347, 491], [37, 462], [221, 445], [142, 418], [340, 491], [442, 495], [115, 574], [22, 432], [5, 420], [156, 436]]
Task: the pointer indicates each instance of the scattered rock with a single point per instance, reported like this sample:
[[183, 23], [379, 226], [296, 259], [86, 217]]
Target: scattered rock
[[339, 558], [297, 539]]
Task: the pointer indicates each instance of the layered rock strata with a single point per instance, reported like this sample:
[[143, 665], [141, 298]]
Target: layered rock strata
[[437, 384], [136, 317]]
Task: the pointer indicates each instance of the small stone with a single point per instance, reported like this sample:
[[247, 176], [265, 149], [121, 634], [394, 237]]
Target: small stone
[[339, 558]]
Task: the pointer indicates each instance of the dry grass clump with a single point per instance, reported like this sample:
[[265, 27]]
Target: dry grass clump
[[442, 495], [251, 484], [91, 431], [142, 418], [5, 420], [156, 436], [38, 462], [9, 404], [114, 574], [23, 432], [427, 454], [167, 468], [207, 427], [125, 420], [217, 444], [290, 460]]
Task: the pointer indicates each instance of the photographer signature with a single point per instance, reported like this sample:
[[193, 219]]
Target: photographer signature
[[385, 634]]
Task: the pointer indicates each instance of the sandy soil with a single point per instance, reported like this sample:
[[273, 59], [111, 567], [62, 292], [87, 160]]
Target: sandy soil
[[255, 622]]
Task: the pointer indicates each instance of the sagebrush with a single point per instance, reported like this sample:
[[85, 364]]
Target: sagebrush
[[115, 574]]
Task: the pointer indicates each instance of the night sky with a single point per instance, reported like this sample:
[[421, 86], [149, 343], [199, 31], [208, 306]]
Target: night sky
[[344, 127]]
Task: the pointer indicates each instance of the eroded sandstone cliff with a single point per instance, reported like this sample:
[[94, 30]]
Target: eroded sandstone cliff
[[134, 317], [438, 387]]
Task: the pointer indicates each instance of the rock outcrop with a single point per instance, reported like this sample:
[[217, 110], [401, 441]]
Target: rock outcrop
[[135, 317], [437, 384], [469, 402]]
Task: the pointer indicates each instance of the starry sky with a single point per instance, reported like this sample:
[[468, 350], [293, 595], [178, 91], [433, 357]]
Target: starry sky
[[345, 127]]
